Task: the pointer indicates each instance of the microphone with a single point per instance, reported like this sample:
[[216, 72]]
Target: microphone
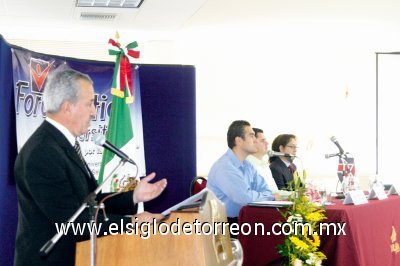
[[100, 140], [327, 156], [276, 154], [335, 141]]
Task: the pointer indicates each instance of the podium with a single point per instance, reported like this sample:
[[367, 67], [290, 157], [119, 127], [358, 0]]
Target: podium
[[212, 246]]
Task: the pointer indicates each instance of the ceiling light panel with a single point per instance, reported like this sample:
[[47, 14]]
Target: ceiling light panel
[[109, 3]]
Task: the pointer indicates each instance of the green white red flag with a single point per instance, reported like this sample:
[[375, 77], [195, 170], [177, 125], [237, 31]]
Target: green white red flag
[[120, 131]]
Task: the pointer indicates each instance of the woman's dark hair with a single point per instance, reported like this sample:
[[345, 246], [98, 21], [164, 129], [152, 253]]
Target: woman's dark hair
[[282, 139]]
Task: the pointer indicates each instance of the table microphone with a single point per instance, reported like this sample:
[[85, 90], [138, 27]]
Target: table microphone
[[100, 140], [327, 156], [276, 154]]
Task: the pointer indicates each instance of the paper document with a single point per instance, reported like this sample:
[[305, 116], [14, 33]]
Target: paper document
[[193, 199], [271, 203]]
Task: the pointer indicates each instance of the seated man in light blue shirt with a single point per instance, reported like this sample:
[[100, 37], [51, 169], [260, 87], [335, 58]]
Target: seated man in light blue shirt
[[233, 179]]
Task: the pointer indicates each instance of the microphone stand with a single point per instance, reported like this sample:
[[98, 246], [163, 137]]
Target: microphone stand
[[92, 204]]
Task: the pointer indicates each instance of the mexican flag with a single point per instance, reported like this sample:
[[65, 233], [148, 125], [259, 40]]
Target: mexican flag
[[120, 131]]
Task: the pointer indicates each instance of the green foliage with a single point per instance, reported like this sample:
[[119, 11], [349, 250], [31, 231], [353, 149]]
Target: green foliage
[[301, 246]]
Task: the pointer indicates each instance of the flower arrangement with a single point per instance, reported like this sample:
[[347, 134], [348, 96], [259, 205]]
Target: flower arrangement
[[312, 192], [301, 246]]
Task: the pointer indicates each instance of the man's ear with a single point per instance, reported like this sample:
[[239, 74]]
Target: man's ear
[[238, 140], [66, 107]]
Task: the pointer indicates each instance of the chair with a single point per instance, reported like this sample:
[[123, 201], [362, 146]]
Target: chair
[[198, 184]]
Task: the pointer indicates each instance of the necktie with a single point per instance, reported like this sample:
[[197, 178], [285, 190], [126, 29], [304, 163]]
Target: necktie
[[79, 152], [291, 169]]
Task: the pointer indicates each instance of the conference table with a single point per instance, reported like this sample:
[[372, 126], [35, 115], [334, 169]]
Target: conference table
[[370, 234]]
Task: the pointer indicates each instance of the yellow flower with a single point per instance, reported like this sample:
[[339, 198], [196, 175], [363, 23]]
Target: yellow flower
[[315, 217], [320, 255], [301, 245], [317, 240]]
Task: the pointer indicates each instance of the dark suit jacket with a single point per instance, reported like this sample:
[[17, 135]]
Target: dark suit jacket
[[282, 174], [51, 184]]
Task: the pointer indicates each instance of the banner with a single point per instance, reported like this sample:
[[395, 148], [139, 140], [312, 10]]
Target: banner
[[30, 72]]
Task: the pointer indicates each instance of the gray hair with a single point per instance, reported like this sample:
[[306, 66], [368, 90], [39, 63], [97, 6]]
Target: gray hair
[[63, 85]]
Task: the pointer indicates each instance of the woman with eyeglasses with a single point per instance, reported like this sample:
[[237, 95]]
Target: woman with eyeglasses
[[282, 167]]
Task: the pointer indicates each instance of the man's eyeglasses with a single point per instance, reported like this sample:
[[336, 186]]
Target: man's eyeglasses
[[292, 147]]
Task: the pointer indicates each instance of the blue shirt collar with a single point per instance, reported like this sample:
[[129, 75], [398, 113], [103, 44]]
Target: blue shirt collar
[[235, 160]]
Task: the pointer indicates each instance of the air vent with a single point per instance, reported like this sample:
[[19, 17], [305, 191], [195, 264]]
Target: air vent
[[97, 16], [109, 3]]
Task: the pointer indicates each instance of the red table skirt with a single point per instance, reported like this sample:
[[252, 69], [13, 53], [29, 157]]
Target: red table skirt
[[371, 234]]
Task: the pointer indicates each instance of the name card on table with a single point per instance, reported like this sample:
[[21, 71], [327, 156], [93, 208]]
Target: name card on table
[[356, 197], [377, 192], [393, 191]]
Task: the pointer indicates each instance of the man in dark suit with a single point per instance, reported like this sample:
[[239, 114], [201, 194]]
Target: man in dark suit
[[282, 168], [53, 180]]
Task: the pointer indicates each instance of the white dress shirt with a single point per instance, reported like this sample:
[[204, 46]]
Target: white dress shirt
[[262, 168], [63, 130]]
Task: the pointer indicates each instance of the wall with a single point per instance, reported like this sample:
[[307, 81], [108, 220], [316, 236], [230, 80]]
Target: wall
[[313, 79]]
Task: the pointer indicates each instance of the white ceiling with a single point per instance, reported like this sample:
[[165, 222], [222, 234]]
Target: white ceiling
[[59, 19], [47, 18]]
